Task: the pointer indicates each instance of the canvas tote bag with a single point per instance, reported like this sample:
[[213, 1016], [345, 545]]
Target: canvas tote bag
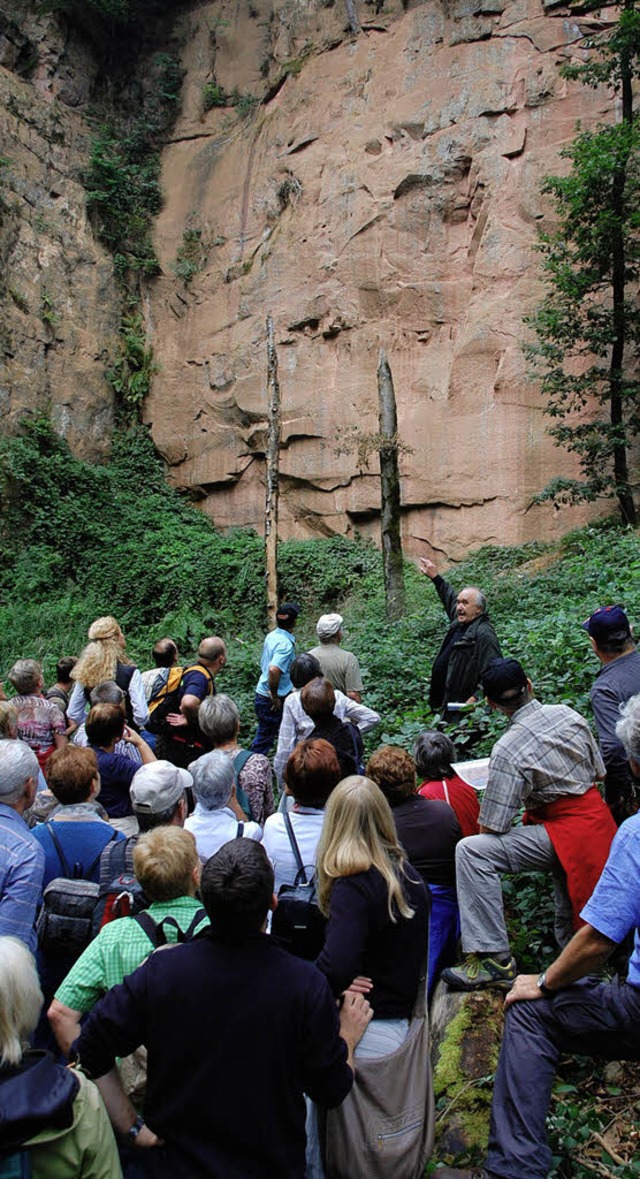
[[384, 1128]]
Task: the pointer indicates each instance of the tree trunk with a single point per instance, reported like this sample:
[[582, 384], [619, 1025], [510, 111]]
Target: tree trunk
[[273, 471], [619, 267], [354, 23], [390, 494]]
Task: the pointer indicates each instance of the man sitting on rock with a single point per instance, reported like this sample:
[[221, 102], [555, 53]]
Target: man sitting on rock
[[565, 1010], [548, 762]]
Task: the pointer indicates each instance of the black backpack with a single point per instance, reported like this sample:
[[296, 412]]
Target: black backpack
[[297, 923], [65, 921], [155, 930]]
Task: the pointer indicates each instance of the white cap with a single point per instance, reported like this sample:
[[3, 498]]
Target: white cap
[[328, 625]]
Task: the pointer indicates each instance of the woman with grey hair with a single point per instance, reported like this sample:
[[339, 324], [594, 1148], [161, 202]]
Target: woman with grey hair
[[434, 754], [218, 816], [628, 731], [219, 719], [49, 1114], [40, 723]]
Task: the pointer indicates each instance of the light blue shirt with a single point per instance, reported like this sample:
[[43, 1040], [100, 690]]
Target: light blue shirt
[[279, 650], [614, 906], [21, 873]]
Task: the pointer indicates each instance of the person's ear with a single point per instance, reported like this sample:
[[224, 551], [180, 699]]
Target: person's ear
[[273, 903]]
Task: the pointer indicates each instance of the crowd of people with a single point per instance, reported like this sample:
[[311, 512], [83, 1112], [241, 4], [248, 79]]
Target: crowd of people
[[313, 897]]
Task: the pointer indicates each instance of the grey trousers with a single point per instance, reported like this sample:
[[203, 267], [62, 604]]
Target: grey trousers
[[480, 861]]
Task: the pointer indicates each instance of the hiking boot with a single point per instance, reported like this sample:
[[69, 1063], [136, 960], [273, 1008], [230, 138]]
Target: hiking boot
[[478, 971]]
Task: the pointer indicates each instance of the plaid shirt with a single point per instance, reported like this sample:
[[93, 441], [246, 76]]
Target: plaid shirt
[[120, 947], [548, 752]]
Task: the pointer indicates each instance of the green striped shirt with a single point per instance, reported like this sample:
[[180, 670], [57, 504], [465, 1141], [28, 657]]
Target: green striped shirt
[[119, 949]]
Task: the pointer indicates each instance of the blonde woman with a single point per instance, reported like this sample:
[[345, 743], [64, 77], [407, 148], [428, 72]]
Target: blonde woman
[[104, 658], [377, 908]]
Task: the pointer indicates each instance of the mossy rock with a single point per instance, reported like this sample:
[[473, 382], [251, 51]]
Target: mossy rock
[[466, 1030]]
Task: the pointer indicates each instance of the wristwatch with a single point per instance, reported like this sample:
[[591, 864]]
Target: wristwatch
[[135, 1129], [541, 984]]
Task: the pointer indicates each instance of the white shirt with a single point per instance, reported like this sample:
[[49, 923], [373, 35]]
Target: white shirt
[[78, 702], [307, 826], [211, 829], [296, 725]]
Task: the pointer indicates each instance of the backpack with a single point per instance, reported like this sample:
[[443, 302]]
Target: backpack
[[120, 894], [168, 698], [65, 921], [297, 922], [155, 930]]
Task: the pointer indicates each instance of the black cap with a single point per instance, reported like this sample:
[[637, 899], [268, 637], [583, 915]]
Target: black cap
[[606, 622], [288, 610], [503, 680]]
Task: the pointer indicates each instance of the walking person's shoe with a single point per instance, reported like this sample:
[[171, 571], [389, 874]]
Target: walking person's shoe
[[479, 971]]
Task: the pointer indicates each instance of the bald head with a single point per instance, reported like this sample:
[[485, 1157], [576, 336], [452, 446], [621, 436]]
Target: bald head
[[213, 653]]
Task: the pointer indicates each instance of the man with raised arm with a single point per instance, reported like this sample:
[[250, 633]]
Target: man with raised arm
[[565, 1009], [468, 646]]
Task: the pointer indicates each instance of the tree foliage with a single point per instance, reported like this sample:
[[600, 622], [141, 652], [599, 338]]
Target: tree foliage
[[587, 328]]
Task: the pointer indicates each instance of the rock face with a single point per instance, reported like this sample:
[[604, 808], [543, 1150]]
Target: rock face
[[385, 192], [59, 304]]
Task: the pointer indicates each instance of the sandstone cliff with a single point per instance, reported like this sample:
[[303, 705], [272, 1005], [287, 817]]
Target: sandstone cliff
[[57, 294], [385, 192]]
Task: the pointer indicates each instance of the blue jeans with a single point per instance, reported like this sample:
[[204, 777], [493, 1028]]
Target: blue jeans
[[268, 724], [587, 1019]]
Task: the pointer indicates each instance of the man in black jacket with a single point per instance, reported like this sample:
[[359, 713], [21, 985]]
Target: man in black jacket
[[468, 648]]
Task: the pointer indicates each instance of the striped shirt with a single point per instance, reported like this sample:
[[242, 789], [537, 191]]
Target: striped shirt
[[21, 874], [120, 947], [548, 752]]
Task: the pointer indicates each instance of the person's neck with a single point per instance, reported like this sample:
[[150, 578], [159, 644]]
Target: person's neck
[[606, 657], [232, 744]]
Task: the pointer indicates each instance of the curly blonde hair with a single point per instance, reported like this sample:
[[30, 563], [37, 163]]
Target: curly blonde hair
[[359, 833], [100, 658]]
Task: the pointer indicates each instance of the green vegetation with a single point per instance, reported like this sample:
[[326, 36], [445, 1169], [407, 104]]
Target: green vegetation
[[48, 313], [213, 95], [588, 326], [79, 540], [132, 370], [191, 255]]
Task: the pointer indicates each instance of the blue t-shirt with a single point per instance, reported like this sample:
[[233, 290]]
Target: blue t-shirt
[[81, 842], [278, 651], [614, 906], [198, 683], [116, 773]]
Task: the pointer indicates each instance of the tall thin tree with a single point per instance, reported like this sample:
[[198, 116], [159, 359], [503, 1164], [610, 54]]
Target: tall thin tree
[[390, 524], [273, 474]]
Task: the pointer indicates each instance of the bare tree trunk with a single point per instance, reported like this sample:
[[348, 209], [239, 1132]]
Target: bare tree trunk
[[273, 471], [354, 23], [390, 494]]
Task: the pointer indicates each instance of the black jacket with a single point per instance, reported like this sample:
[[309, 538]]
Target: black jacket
[[471, 653]]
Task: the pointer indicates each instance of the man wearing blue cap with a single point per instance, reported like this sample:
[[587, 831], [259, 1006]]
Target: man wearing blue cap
[[274, 685], [616, 682]]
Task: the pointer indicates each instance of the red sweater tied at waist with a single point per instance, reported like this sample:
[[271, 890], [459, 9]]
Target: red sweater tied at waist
[[581, 829]]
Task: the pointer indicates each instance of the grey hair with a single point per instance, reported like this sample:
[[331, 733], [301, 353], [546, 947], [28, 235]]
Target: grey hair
[[108, 692], [8, 720], [628, 727], [481, 601], [433, 753], [20, 999], [25, 675], [219, 718], [17, 763], [213, 778]]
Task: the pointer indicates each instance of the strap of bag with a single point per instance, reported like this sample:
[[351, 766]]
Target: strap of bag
[[240, 831], [420, 1005], [64, 863], [155, 931], [203, 671], [239, 761], [446, 790], [294, 847], [92, 867]]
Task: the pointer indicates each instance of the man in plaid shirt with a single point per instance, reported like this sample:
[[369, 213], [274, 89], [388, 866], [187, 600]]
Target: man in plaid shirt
[[547, 762]]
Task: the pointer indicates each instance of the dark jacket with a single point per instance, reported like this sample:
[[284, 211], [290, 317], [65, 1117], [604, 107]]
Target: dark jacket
[[471, 653]]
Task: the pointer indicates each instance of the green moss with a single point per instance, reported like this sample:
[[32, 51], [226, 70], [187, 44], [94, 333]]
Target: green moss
[[447, 1076], [463, 1078]]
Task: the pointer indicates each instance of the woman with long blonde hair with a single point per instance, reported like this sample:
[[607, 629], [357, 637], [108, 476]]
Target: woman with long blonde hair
[[105, 658], [377, 908]]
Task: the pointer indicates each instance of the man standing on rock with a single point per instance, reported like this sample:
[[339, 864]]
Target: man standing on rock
[[618, 680], [274, 685], [340, 667], [469, 645], [565, 1009], [548, 762]]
